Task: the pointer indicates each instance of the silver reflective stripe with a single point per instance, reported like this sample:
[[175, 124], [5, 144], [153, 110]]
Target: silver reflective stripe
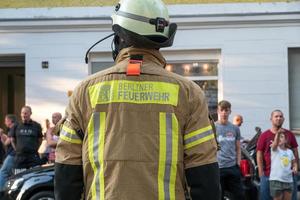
[[133, 16], [69, 135], [96, 144], [168, 155], [198, 136]]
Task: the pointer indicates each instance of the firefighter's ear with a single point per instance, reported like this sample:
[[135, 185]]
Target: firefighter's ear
[[58, 126]]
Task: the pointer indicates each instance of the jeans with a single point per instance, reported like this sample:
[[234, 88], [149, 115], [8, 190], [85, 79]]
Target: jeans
[[6, 170], [264, 192], [231, 182], [295, 188]]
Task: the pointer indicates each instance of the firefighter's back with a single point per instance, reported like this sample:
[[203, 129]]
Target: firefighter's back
[[133, 143]]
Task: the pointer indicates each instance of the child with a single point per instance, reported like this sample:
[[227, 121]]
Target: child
[[282, 160]]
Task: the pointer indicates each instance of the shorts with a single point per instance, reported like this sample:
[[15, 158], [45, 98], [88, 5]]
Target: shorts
[[277, 187]]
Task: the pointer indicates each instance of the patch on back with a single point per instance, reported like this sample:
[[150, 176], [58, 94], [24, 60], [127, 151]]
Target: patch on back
[[138, 92]]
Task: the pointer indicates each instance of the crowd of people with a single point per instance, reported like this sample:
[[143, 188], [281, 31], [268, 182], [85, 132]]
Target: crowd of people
[[22, 141], [277, 156]]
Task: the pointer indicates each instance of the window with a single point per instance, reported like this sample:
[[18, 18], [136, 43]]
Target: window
[[204, 74], [294, 91], [99, 66]]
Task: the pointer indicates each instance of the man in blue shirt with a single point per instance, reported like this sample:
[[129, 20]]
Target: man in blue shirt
[[7, 167]]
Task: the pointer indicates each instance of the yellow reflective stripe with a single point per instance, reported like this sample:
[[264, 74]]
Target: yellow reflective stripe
[[138, 92], [197, 137], [101, 152], [91, 154], [67, 139], [175, 133], [168, 156], [199, 141], [69, 135], [69, 130], [96, 137], [196, 132], [162, 155]]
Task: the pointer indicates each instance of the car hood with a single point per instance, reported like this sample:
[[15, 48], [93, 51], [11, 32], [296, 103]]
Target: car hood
[[36, 171]]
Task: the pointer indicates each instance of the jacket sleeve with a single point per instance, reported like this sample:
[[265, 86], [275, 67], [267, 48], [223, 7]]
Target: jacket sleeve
[[209, 187], [200, 147], [68, 181], [200, 150]]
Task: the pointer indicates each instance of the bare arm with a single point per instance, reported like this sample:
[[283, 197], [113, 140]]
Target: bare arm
[[6, 140], [2, 136], [13, 143], [50, 142], [295, 166], [295, 151], [259, 159], [274, 144], [238, 152]]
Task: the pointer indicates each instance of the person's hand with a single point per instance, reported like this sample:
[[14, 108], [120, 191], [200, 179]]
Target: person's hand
[[1, 135], [295, 170], [2, 138]]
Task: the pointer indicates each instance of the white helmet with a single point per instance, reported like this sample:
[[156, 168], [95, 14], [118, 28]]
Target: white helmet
[[143, 23]]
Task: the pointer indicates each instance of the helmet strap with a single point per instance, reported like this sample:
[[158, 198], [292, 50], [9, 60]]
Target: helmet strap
[[149, 42]]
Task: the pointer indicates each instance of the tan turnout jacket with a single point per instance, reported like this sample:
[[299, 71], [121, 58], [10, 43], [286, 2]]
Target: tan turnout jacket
[[140, 132]]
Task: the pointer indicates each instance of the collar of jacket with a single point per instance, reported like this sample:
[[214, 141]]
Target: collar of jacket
[[152, 55]]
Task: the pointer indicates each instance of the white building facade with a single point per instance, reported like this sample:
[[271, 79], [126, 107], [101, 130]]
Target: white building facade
[[247, 53]]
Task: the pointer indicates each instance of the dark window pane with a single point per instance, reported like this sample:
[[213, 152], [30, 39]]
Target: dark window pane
[[99, 66], [210, 89]]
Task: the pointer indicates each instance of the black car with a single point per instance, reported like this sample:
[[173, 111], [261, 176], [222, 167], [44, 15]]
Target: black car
[[34, 184]]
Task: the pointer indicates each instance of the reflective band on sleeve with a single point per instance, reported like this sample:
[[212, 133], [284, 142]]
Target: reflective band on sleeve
[[69, 135], [96, 137], [197, 137], [168, 156], [138, 92]]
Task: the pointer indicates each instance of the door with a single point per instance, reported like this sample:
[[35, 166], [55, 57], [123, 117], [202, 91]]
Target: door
[[12, 86]]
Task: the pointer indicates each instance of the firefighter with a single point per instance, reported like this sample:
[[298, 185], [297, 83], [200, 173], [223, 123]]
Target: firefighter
[[136, 131]]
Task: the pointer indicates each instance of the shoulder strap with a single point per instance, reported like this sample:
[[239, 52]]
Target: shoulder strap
[[212, 123]]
